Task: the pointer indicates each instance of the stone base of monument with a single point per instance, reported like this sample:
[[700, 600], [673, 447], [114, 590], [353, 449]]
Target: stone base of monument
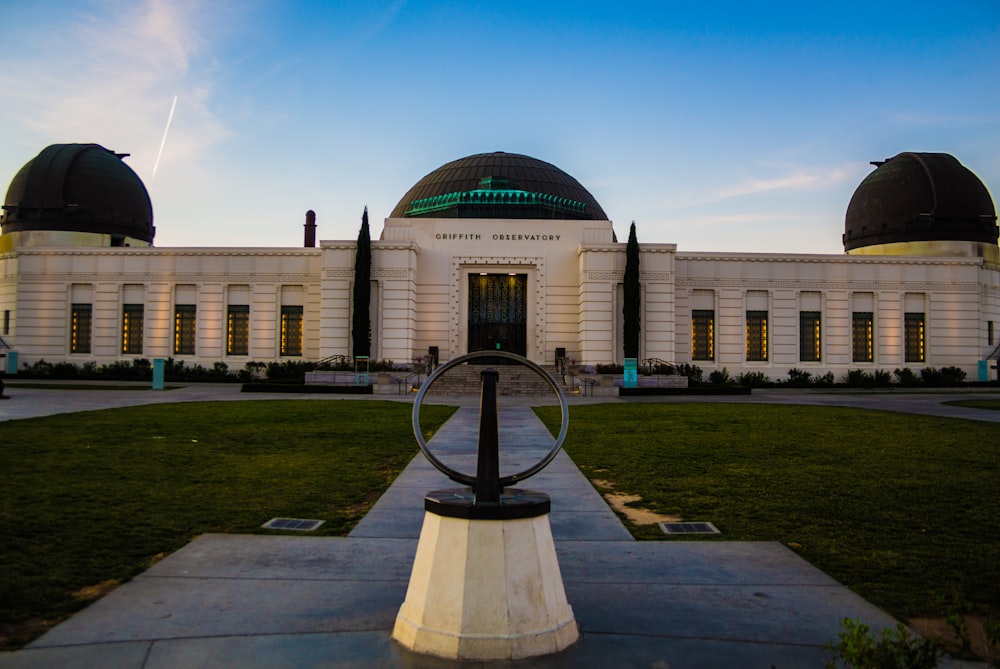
[[486, 583]]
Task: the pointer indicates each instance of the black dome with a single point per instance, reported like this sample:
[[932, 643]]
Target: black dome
[[499, 185], [915, 197], [79, 188]]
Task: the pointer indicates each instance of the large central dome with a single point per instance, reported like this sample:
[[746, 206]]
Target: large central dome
[[499, 185]]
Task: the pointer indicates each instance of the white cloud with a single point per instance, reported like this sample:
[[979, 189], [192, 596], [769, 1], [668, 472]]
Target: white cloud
[[789, 179], [753, 186], [109, 76], [794, 178], [753, 218]]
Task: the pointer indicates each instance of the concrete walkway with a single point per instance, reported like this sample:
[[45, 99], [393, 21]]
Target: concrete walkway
[[25, 400], [255, 601]]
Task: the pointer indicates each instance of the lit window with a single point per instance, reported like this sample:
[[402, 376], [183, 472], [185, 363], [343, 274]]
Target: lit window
[[80, 323], [809, 336], [132, 321], [914, 333], [238, 330], [291, 330], [703, 334], [184, 329], [862, 333], [756, 336]]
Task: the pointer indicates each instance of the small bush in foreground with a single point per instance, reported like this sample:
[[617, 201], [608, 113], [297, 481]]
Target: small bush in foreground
[[905, 377], [720, 376], [798, 378], [141, 369], [693, 372], [753, 379], [859, 648], [946, 376]]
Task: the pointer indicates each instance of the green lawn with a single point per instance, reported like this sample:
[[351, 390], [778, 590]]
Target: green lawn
[[145, 387], [96, 497], [992, 405], [901, 508]]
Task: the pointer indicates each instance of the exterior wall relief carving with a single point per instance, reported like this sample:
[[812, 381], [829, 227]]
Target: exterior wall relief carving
[[761, 284], [161, 277], [605, 276], [375, 273], [620, 276], [157, 252], [825, 259]]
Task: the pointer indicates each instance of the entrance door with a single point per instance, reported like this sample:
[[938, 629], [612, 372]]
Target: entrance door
[[498, 313]]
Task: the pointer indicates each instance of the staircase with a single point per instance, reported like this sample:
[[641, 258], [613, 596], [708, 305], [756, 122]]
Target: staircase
[[515, 380]]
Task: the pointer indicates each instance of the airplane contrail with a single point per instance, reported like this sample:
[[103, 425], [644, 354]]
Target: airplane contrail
[[164, 140]]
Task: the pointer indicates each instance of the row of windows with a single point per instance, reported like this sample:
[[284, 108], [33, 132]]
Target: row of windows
[[185, 329], [810, 333]]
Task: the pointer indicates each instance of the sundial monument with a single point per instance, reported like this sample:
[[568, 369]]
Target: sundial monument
[[485, 583]]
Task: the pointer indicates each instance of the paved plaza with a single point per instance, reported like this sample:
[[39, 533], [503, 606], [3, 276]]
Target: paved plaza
[[289, 601]]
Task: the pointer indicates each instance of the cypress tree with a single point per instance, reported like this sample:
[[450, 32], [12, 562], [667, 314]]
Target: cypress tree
[[361, 322], [630, 306]]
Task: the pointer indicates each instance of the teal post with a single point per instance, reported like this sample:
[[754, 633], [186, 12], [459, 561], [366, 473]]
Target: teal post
[[631, 379], [157, 373], [361, 376], [984, 370], [12, 362]]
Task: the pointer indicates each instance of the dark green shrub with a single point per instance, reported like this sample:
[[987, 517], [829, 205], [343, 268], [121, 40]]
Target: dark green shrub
[[905, 377], [825, 380], [798, 378], [720, 376], [753, 379], [289, 370], [882, 378], [137, 370], [693, 372], [946, 376], [39, 370], [953, 376], [65, 370], [861, 649], [859, 378]]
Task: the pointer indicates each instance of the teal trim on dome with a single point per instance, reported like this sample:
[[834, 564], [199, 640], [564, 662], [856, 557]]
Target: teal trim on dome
[[507, 198], [495, 173]]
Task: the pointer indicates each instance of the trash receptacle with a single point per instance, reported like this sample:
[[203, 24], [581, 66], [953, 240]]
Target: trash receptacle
[[158, 373]]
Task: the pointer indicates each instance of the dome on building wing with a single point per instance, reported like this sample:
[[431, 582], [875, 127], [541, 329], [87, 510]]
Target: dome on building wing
[[499, 185], [79, 189], [917, 198]]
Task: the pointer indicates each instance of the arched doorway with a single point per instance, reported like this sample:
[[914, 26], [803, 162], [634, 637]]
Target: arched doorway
[[498, 313]]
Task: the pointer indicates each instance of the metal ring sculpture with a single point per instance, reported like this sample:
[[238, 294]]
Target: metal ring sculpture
[[505, 481]]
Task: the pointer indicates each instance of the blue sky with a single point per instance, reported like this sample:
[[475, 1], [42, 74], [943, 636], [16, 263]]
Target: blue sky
[[716, 126]]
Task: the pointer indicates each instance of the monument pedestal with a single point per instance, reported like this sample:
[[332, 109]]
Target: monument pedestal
[[485, 583]]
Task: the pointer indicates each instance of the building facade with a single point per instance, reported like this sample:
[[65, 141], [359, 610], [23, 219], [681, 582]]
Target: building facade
[[501, 251]]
